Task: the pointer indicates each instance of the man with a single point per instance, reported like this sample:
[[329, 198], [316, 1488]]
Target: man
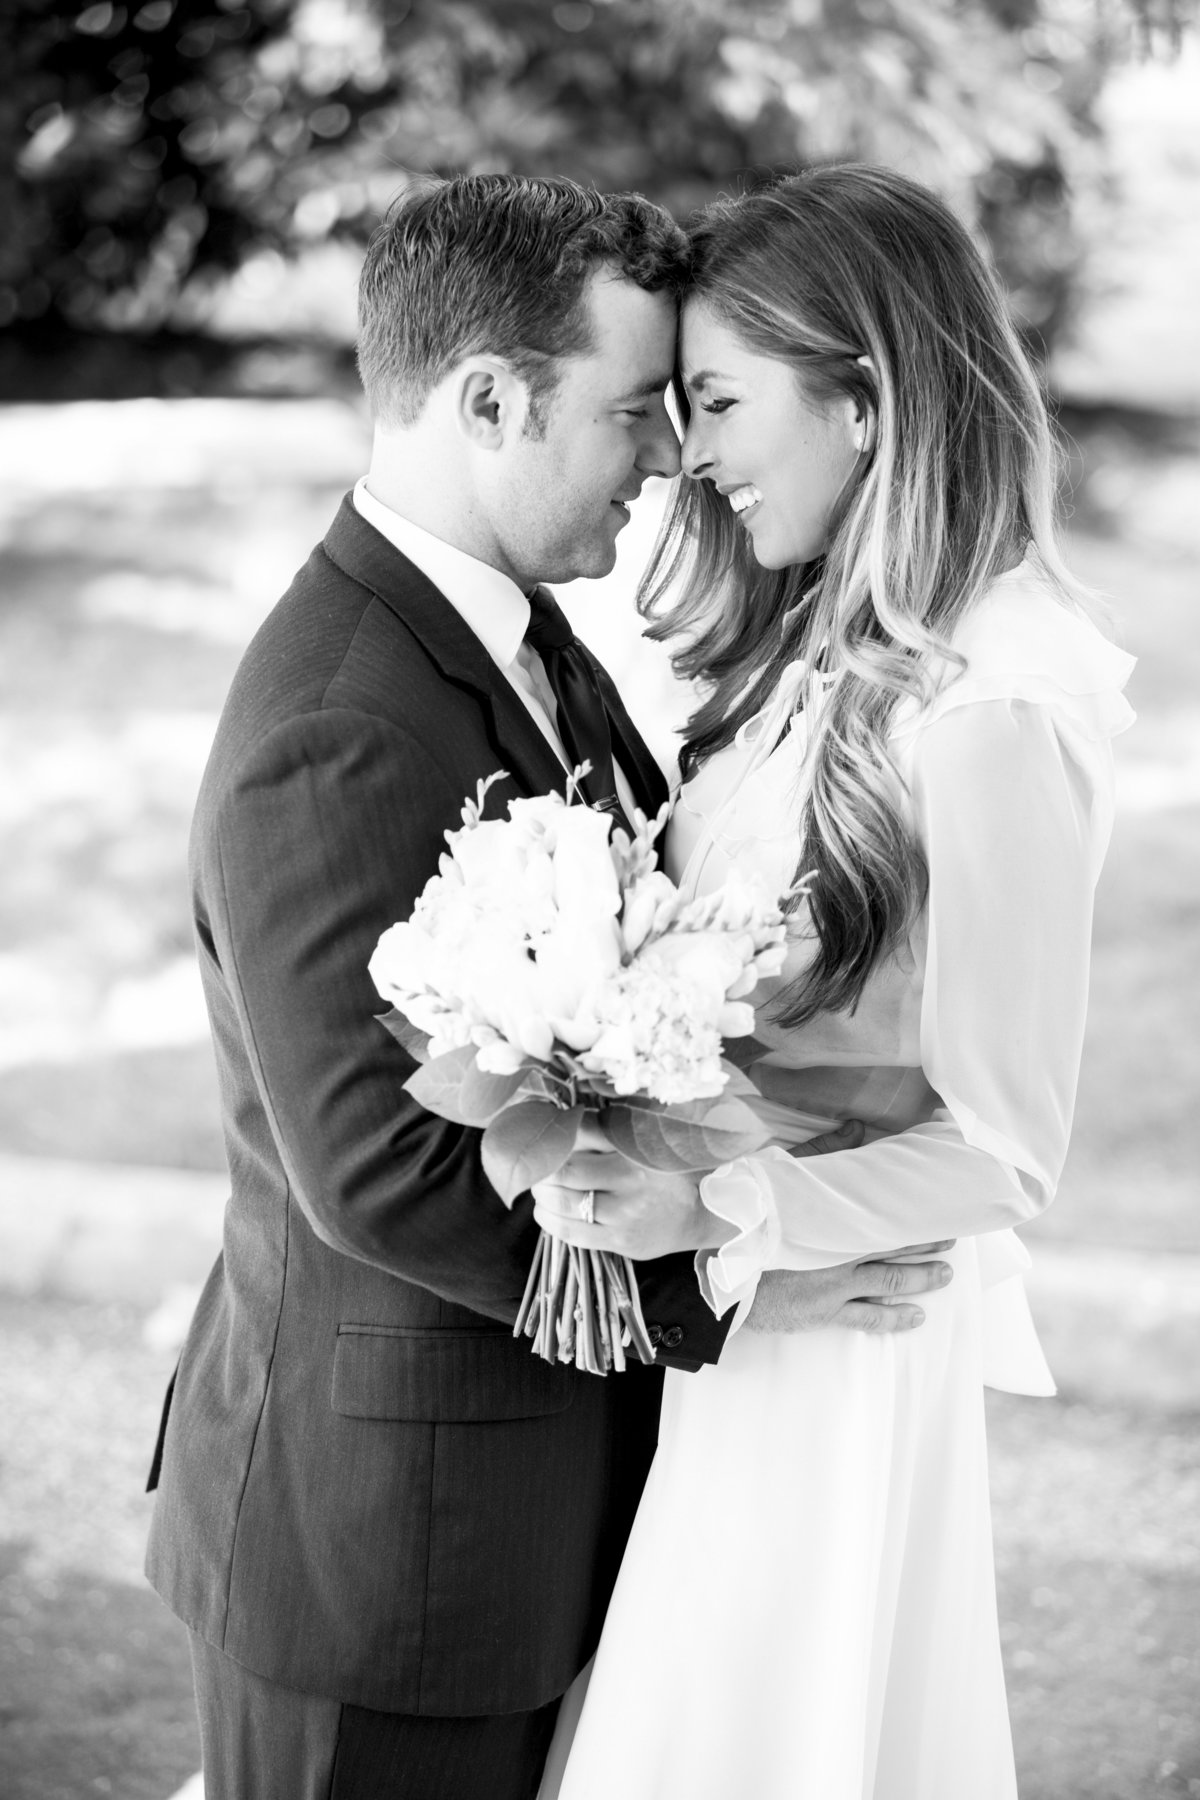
[[391, 1530]]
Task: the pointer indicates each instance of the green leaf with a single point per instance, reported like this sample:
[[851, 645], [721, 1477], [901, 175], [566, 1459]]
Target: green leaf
[[540, 1083], [409, 1036], [695, 1112], [736, 1079], [484, 1093], [687, 1112], [526, 1143], [658, 1139], [454, 1087], [743, 1052]]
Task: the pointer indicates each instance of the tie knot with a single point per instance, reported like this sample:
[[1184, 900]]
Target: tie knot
[[548, 628]]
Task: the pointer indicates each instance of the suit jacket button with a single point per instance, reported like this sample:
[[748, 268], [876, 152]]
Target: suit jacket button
[[655, 1334], [673, 1336]]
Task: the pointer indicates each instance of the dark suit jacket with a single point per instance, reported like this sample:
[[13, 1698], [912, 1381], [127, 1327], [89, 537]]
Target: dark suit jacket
[[367, 1488]]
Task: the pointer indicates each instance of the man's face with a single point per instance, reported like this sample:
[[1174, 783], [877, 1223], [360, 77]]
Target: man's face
[[559, 500]]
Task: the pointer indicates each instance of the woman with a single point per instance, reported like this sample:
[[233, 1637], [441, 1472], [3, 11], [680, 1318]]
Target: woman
[[907, 712]]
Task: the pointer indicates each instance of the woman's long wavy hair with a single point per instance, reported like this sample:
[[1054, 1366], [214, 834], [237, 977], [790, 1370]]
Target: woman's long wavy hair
[[820, 271]]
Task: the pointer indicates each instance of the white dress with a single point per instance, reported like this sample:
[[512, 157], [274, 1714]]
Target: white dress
[[806, 1609]]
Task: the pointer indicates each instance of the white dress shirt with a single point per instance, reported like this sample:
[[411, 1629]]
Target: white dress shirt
[[491, 605]]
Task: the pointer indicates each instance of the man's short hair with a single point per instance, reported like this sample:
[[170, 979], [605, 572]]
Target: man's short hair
[[497, 264]]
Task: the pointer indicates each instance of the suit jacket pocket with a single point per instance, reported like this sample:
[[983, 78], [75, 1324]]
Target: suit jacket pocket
[[446, 1375]]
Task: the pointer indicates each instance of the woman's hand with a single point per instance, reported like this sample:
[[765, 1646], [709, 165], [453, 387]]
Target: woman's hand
[[602, 1201], [642, 1213]]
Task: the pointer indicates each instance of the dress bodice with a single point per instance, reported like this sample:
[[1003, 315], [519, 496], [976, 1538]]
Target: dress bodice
[[744, 804], [743, 807]]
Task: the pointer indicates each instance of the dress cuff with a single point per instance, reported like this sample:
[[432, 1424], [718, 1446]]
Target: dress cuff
[[739, 1192], [1013, 1358]]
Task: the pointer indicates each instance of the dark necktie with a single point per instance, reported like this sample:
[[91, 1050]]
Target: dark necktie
[[583, 722]]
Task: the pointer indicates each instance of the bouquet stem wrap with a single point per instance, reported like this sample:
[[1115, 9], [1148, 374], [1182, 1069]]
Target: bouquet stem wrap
[[550, 969]]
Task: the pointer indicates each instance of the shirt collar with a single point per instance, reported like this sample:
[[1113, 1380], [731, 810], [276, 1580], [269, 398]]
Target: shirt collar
[[488, 602]]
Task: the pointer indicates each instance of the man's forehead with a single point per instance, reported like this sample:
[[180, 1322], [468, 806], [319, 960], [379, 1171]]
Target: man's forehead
[[633, 334]]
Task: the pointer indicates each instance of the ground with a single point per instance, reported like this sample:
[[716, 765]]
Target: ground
[[1099, 1574]]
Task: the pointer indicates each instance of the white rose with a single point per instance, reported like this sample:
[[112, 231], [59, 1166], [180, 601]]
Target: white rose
[[400, 962], [735, 1019], [536, 817], [585, 879], [499, 1058], [451, 1033], [770, 961], [572, 960], [500, 977], [491, 856]]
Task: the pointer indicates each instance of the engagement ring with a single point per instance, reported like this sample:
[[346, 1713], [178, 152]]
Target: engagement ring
[[587, 1207]]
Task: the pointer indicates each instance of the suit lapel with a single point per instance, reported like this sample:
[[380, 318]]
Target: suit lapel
[[367, 557], [362, 553]]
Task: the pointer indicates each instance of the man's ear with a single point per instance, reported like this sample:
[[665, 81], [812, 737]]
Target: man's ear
[[491, 404]]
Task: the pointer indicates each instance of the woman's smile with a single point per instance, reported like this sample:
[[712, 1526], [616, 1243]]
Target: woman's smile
[[744, 500]]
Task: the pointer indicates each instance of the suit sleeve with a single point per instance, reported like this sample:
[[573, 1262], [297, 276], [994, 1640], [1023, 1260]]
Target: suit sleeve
[[671, 1297], [325, 837]]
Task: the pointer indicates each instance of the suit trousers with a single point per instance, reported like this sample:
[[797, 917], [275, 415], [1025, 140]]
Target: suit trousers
[[261, 1741]]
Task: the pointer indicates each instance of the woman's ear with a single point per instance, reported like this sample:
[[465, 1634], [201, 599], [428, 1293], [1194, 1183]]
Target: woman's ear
[[864, 428], [864, 415]]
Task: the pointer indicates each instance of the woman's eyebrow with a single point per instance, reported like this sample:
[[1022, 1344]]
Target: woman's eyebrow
[[702, 377]]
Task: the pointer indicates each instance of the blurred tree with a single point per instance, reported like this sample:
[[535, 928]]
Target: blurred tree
[[148, 148], [151, 143]]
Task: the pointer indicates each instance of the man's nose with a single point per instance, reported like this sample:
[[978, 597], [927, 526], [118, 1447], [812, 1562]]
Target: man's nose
[[695, 459], [659, 454]]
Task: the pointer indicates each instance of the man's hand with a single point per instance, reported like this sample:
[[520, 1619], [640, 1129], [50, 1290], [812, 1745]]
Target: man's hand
[[637, 1212], [871, 1295]]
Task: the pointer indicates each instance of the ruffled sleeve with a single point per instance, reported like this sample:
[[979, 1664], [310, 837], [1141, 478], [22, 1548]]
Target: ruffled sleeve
[[1022, 644], [1010, 777]]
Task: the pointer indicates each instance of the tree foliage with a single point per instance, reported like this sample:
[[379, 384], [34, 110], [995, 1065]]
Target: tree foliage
[[152, 146]]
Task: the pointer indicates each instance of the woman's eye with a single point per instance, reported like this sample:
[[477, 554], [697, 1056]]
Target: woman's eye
[[635, 412], [715, 406]]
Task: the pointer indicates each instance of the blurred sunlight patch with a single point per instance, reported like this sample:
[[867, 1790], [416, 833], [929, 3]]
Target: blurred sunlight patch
[[192, 608], [41, 1023], [95, 446]]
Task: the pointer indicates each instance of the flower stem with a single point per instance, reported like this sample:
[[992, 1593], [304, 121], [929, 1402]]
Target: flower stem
[[532, 1286]]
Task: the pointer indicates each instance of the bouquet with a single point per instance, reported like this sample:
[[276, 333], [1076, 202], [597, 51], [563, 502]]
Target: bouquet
[[549, 969]]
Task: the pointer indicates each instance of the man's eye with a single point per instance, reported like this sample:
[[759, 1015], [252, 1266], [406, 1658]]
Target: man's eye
[[635, 412], [715, 406]]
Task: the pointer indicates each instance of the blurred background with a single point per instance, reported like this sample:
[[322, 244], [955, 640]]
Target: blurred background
[[186, 186]]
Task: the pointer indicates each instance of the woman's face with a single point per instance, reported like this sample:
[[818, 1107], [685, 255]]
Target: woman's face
[[780, 458]]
